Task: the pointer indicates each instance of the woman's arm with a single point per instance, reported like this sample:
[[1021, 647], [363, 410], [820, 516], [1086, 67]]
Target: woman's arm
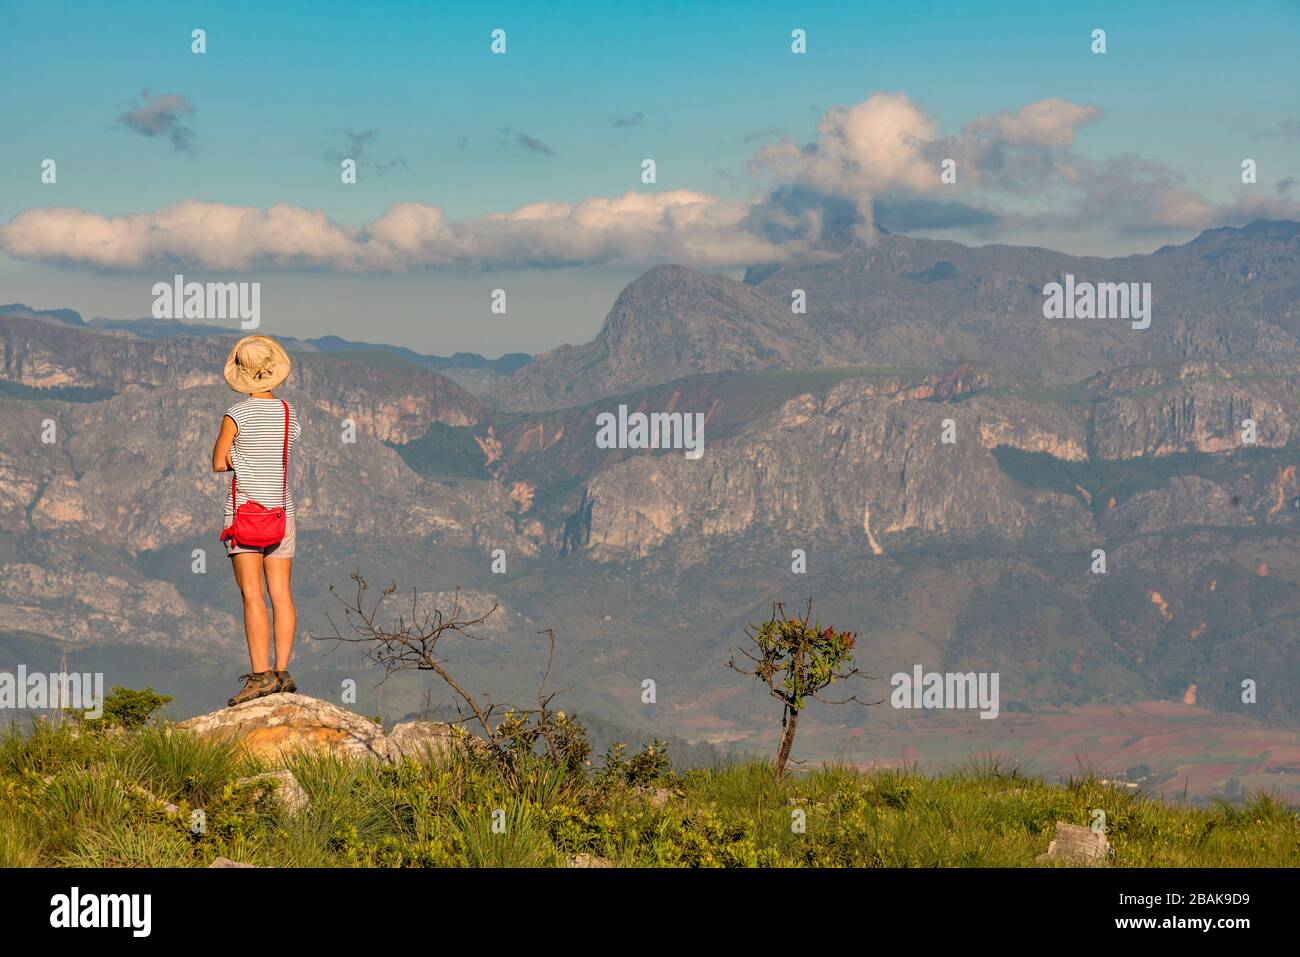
[[221, 451]]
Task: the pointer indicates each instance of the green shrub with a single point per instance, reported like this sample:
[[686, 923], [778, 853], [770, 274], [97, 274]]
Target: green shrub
[[125, 708], [647, 767]]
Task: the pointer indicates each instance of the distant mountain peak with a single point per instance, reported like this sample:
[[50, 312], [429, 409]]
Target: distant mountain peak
[[1281, 230], [69, 317]]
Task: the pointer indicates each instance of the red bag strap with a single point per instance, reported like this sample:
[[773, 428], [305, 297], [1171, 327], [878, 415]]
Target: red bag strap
[[284, 494]]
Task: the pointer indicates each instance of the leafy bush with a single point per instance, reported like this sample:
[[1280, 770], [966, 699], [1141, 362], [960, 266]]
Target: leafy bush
[[643, 769], [126, 708]]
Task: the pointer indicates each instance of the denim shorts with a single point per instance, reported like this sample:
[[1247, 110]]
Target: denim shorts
[[281, 549]]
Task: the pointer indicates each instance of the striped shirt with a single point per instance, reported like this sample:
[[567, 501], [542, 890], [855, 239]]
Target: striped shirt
[[258, 452]]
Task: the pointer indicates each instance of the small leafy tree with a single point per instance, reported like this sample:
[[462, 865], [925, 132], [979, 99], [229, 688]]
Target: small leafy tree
[[797, 660], [127, 708]]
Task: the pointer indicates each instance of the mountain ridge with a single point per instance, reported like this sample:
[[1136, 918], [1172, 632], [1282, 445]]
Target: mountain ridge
[[927, 303], [465, 367]]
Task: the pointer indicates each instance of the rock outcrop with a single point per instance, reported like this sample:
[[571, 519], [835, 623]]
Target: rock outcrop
[[278, 725], [1078, 845]]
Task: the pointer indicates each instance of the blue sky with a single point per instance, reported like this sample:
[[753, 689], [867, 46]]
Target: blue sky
[[595, 88]]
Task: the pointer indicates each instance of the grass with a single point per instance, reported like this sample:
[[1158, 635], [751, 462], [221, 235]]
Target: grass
[[97, 800]]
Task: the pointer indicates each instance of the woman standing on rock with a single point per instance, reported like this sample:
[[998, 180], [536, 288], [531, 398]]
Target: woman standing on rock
[[256, 441]]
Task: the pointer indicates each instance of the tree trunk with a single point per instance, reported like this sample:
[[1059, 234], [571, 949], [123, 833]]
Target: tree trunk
[[787, 743]]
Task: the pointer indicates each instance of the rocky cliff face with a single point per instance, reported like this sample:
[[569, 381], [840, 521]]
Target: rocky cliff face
[[866, 461], [89, 605], [1194, 407], [103, 475], [855, 463]]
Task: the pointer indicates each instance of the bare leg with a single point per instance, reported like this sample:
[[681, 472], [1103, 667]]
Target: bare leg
[[278, 573], [257, 627]]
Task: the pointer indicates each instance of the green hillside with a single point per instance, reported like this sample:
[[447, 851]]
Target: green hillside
[[98, 799]]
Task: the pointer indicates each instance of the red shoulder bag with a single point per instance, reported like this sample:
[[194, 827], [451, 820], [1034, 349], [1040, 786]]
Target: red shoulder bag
[[255, 525]]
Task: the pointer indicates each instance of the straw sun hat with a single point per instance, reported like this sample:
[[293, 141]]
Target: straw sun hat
[[256, 364]]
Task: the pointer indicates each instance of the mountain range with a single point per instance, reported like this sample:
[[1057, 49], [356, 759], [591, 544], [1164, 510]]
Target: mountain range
[[947, 461], [1230, 294]]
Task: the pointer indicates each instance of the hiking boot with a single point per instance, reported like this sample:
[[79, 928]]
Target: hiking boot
[[286, 683], [256, 685]]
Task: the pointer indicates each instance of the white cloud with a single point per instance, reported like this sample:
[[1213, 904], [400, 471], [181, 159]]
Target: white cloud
[[888, 146], [1048, 123], [622, 230], [885, 149], [861, 150]]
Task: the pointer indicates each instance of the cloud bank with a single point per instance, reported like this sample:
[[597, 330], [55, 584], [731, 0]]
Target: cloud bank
[[877, 160], [628, 229]]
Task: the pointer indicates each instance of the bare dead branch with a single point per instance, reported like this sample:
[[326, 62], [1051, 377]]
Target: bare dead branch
[[410, 642]]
